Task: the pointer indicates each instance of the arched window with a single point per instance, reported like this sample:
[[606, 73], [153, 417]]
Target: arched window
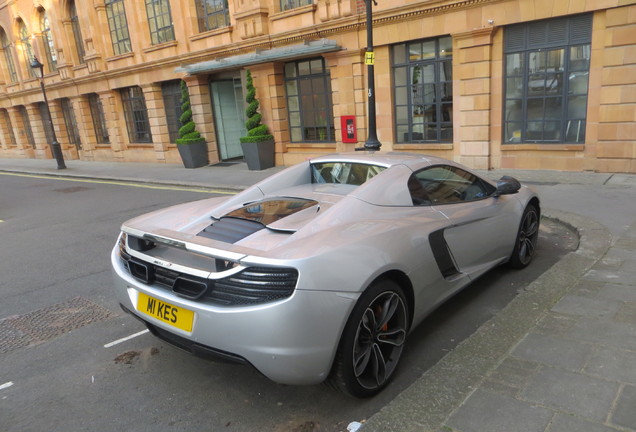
[[27, 49], [47, 39], [8, 55], [77, 32]]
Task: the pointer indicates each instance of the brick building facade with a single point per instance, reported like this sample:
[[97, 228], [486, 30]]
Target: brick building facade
[[529, 84]]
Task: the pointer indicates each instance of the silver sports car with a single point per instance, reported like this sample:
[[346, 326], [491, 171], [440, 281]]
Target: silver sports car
[[320, 271]]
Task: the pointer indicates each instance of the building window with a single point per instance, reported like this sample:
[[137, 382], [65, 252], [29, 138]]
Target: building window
[[308, 88], [71, 123], [159, 21], [47, 125], [47, 41], [77, 33], [8, 56], [27, 49], [293, 4], [212, 14], [8, 126], [547, 66], [136, 115], [99, 121], [423, 90], [26, 123], [118, 26], [171, 91]]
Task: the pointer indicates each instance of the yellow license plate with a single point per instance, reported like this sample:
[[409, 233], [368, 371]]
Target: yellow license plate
[[175, 316]]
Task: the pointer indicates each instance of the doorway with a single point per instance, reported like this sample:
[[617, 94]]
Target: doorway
[[229, 116]]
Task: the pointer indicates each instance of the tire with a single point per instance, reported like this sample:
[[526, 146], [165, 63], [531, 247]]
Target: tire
[[527, 238], [372, 341]]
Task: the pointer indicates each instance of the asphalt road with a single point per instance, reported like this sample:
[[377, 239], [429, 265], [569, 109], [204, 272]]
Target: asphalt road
[[63, 365]]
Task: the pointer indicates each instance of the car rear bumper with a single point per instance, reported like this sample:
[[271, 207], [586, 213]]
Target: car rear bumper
[[292, 341]]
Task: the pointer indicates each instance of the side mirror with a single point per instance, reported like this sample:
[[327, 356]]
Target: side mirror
[[507, 186]]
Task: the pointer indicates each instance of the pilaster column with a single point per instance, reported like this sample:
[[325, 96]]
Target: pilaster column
[[23, 145], [472, 61], [115, 122], [157, 119]]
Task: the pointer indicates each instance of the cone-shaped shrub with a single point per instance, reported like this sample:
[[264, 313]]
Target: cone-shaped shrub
[[187, 132], [256, 132]]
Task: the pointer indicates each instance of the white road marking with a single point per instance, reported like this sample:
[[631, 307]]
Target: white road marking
[[108, 345], [6, 385]]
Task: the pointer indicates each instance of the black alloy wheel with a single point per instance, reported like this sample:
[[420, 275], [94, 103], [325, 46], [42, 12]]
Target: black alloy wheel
[[372, 342], [527, 238]]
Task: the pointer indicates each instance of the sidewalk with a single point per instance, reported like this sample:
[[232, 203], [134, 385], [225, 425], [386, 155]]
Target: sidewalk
[[560, 357]]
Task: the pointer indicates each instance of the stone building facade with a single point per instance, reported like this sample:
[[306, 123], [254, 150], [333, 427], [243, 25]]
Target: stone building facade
[[529, 84]]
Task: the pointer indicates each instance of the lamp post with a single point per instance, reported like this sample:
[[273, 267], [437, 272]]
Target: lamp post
[[372, 143], [55, 145]]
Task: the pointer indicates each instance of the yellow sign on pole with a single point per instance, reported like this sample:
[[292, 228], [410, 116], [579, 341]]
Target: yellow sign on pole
[[369, 58]]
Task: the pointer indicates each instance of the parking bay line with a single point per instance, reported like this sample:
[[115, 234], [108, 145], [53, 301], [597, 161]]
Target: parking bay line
[[118, 341]]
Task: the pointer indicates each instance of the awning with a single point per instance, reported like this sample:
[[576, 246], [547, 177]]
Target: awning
[[262, 56]]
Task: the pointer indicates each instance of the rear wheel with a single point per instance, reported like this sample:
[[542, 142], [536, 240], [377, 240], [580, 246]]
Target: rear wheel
[[372, 341], [527, 237]]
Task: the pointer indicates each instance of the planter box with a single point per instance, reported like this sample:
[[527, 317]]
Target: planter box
[[259, 156], [194, 155]]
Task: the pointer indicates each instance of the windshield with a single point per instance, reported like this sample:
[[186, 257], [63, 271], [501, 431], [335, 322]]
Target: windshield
[[343, 172]]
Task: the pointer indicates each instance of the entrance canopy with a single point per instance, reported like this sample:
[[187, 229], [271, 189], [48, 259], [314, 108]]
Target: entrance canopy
[[305, 49]]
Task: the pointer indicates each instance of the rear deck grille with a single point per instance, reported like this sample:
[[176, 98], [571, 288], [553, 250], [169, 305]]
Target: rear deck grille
[[254, 285]]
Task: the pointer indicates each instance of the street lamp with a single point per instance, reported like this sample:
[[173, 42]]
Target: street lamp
[[372, 143], [55, 145]]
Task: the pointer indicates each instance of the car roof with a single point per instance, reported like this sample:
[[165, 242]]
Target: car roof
[[385, 159]]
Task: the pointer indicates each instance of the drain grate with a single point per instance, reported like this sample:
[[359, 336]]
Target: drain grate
[[47, 323]]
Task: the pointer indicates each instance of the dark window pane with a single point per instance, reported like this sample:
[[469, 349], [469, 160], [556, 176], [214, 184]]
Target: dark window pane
[[546, 63]]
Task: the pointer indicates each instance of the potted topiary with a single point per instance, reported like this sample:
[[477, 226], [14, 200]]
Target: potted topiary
[[192, 147], [258, 145]]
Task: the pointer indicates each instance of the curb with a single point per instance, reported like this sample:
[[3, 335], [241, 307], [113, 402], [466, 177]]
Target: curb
[[66, 175], [429, 401]]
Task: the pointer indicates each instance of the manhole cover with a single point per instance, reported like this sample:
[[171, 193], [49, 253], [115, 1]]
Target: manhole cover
[[47, 323]]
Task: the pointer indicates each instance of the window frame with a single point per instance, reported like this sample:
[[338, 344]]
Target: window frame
[[118, 27], [286, 5], [99, 120], [159, 21], [77, 32], [47, 41], [70, 121], [27, 47], [297, 103], [26, 123], [407, 92], [539, 43], [7, 121], [136, 114], [212, 14], [47, 123], [8, 56]]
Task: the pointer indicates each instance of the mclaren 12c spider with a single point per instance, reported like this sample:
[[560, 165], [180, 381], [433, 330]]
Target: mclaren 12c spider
[[319, 271]]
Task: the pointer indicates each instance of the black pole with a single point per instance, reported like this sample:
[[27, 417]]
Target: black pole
[[56, 148], [372, 143]]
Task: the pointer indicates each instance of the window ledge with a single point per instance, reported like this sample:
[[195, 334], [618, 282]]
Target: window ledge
[[543, 147], [421, 146], [213, 32], [161, 46], [120, 57], [312, 145], [292, 12]]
